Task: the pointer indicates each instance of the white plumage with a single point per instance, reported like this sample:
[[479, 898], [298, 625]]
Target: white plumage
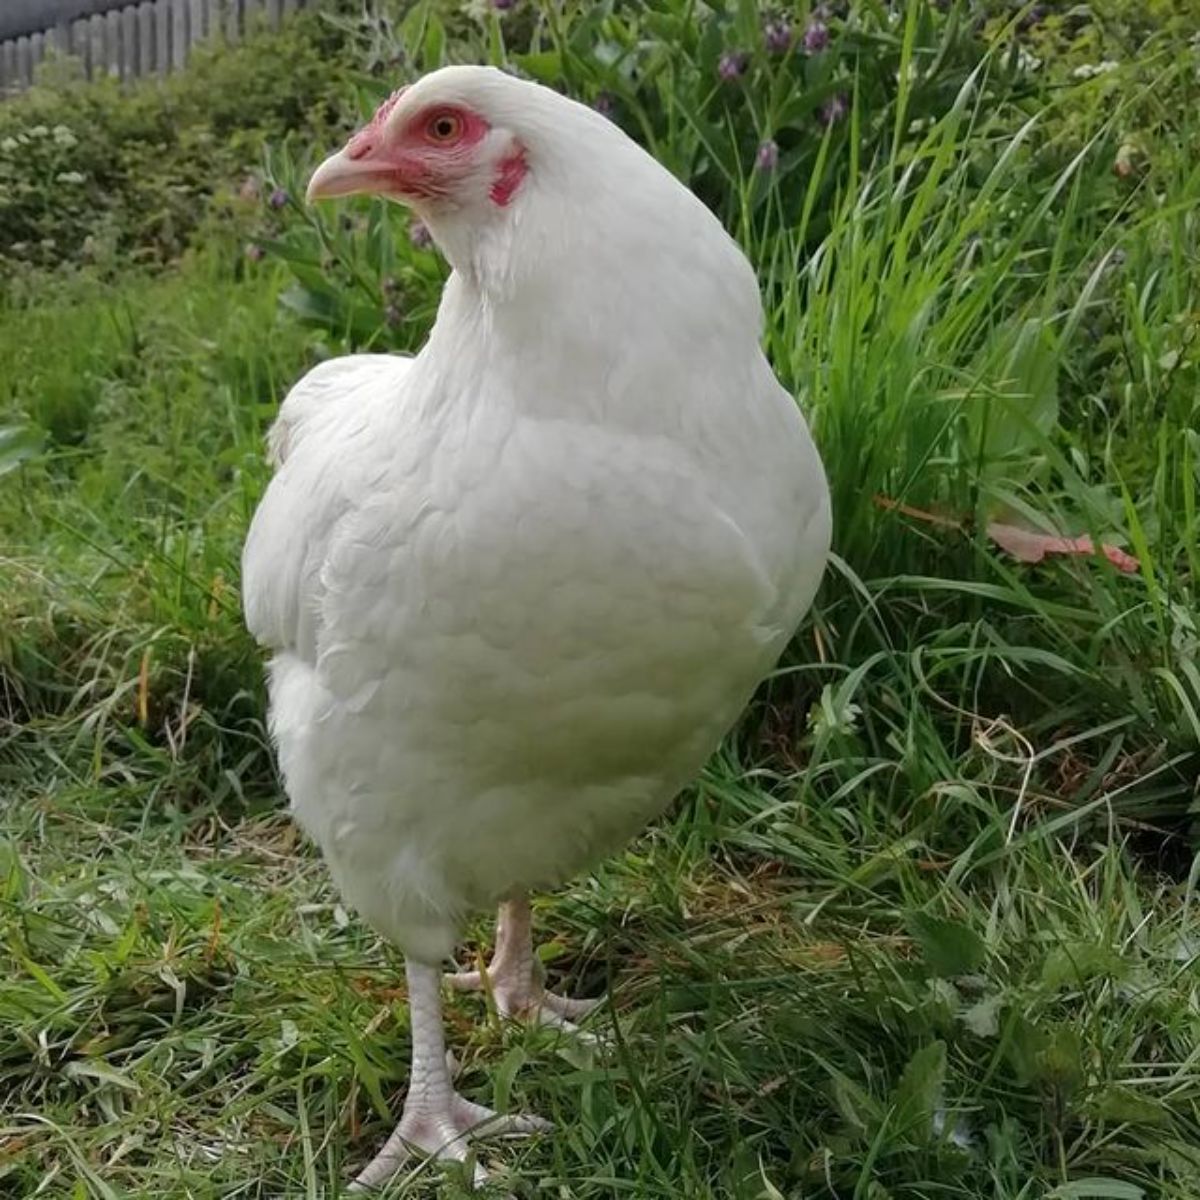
[[517, 588]]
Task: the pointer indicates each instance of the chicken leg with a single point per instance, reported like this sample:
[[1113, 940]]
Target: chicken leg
[[436, 1121], [514, 976]]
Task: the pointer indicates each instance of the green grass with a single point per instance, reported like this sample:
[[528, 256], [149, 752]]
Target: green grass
[[926, 928]]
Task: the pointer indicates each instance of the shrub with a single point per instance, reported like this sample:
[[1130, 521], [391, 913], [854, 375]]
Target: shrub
[[116, 175]]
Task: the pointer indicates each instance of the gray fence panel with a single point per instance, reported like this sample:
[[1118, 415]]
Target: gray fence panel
[[19, 17], [127, 38]]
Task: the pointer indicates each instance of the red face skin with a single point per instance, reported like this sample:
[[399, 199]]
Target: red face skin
[[434, 156]]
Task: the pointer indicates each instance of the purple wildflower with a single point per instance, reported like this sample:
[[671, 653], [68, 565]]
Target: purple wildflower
[[732, 64], [833, 110], [767, 158], [1034, 17], [278, 198], [816, 36], [503, 5], [605, 105], [254, 252], [419, 235], [777, 35]]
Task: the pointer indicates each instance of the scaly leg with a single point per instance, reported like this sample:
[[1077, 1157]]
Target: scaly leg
[[514, 976], [437, 1121]]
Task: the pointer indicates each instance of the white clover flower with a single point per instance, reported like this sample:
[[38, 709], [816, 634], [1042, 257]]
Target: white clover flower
[[960, 1134], [1091, 70], [70, 177], [39, 131], [1027, 61], [8, 145], [64, 137]]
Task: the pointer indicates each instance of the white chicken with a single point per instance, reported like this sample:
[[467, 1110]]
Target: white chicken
[[516, 588]]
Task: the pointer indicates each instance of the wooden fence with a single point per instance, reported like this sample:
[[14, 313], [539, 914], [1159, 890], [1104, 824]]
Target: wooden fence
[[116, 37]]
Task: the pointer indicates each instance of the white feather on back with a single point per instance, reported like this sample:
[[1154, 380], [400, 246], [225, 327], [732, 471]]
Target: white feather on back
[[321, 424]]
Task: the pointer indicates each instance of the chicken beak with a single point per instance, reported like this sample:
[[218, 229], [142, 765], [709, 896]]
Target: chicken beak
[[341, 175]]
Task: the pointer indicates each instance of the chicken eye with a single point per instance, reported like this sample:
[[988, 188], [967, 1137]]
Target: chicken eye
[[445, 127]]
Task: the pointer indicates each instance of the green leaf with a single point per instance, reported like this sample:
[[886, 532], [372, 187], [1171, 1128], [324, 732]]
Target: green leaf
[[434, 46], [770, 1191], [1061, 1062], [1075, 963], [919, 1092], [547, 952], [310, 305], [858, 1108], [1050, 1055], [949, 947], [38, 973], [18, 444], [544, 65], [1020, 369], [91, 1068], [12, 873], [412, 28], [983, 1017], [1097, 1188], [1124, 1105], [503, 1078]]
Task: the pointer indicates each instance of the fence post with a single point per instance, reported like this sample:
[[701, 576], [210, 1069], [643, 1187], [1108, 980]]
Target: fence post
[[95, 37], [37, 51], [179, 34], [162, 35], [201, 28], [144, 60], [60, 38], [8, 65], [112, 42], [129, 42]]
